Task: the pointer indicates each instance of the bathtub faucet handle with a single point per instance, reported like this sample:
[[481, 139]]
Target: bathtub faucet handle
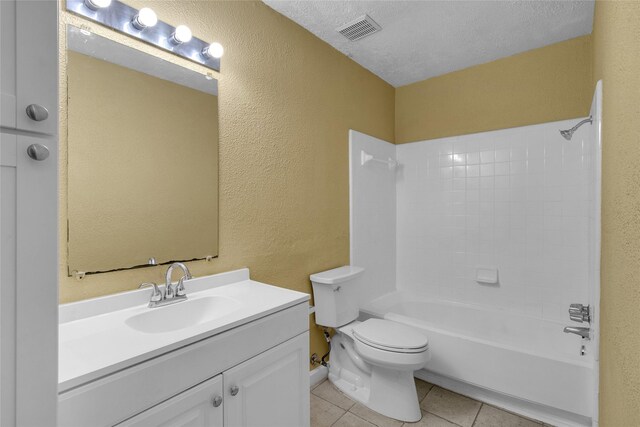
[[580, 313]]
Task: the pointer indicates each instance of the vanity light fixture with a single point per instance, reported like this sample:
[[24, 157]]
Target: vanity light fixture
[[182, 34], [97, 4], [214, 50], [144, 25], [145, 18]]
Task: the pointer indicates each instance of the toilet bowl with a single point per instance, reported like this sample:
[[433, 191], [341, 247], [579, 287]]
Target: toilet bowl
[[378, 375], [372, 361]]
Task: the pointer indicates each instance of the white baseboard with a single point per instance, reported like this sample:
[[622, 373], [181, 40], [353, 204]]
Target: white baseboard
[[513, 404], [318, 375]]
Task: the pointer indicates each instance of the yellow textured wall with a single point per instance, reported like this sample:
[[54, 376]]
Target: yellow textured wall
[[287, 101], [132, 194], [542, 85], [616, 43]]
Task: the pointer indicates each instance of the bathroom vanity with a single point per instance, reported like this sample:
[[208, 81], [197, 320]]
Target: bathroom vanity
[[233, 354]]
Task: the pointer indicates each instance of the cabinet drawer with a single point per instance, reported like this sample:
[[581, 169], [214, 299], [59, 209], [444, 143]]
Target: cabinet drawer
[[115, 398]]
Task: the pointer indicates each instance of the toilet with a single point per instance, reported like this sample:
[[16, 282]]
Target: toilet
[[372, 361]]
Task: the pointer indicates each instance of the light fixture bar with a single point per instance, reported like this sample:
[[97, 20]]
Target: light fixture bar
[[119, 16]]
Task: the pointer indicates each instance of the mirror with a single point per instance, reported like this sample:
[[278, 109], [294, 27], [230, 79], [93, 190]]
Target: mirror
[[142, 158]]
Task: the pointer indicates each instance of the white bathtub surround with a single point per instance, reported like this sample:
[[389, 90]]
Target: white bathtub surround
[[497, 234], [517, 199], [373, 214], [595, 186]]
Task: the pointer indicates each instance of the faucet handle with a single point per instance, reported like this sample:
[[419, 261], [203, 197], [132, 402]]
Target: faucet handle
[[578, 307], [156, 295], [576, 317], [580, 313], [169, 292], [180, 291]]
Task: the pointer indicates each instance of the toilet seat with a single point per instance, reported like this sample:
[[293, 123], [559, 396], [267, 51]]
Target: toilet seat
[[390, 336]]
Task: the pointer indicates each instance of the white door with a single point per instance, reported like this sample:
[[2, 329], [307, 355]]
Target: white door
[[28, 213], [200, 406], [28, 270], [271, 389]]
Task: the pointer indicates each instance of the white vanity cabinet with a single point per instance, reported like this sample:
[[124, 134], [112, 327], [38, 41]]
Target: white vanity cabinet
[[248, 368], [269, 390]]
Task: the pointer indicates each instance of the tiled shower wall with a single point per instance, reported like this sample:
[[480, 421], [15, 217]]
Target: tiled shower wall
[[517, 200]]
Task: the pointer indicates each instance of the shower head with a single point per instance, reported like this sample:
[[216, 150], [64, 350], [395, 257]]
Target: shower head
[[567, 134]]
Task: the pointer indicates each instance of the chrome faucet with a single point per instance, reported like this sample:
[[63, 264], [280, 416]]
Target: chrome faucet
[[156, 296], [583, 332], [169, 295], [178, 292]]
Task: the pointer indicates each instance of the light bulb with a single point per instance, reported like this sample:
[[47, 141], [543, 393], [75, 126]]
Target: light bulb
[[97, 4], [182, 34], [214, 50], [145, 18]]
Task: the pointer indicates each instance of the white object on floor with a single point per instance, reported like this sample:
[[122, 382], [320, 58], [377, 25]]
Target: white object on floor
[[373, 361], [487, 275]]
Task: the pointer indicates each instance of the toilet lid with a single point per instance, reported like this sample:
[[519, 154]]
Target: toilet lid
[[391, 336]]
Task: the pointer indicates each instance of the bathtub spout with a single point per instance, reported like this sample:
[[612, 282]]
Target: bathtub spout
[[583, 332]]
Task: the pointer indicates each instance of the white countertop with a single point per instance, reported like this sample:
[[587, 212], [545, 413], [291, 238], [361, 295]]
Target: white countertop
[[95, 341]]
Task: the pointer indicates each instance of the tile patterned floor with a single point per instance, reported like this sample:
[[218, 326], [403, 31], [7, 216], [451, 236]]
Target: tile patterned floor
[[440, 408]]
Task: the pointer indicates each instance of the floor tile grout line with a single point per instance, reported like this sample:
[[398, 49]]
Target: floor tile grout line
[[331, 403], [478, 413], [360, 418], [428, 392], [353, 402], [442, 418]]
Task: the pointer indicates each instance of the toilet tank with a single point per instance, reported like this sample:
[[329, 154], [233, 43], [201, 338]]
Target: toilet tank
[[334, 295]]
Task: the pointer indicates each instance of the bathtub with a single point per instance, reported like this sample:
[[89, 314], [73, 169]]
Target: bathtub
[[518, 362]]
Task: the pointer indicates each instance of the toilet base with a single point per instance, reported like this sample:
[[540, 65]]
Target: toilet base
[[393, 394], [390, 392]]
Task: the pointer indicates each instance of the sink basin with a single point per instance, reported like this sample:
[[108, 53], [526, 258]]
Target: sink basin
[[182, 314]]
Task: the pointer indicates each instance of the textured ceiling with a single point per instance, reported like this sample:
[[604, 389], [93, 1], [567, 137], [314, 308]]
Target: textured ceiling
[[423, 39]]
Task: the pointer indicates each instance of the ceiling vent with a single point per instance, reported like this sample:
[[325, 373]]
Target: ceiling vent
[[359, 28]]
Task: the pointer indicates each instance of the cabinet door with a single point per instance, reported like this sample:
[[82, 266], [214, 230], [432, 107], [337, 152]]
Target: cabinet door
[[28, 292], [8, 201], [28, 295], [8, 63], [195, 407], [36, 63], [271, 389]]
